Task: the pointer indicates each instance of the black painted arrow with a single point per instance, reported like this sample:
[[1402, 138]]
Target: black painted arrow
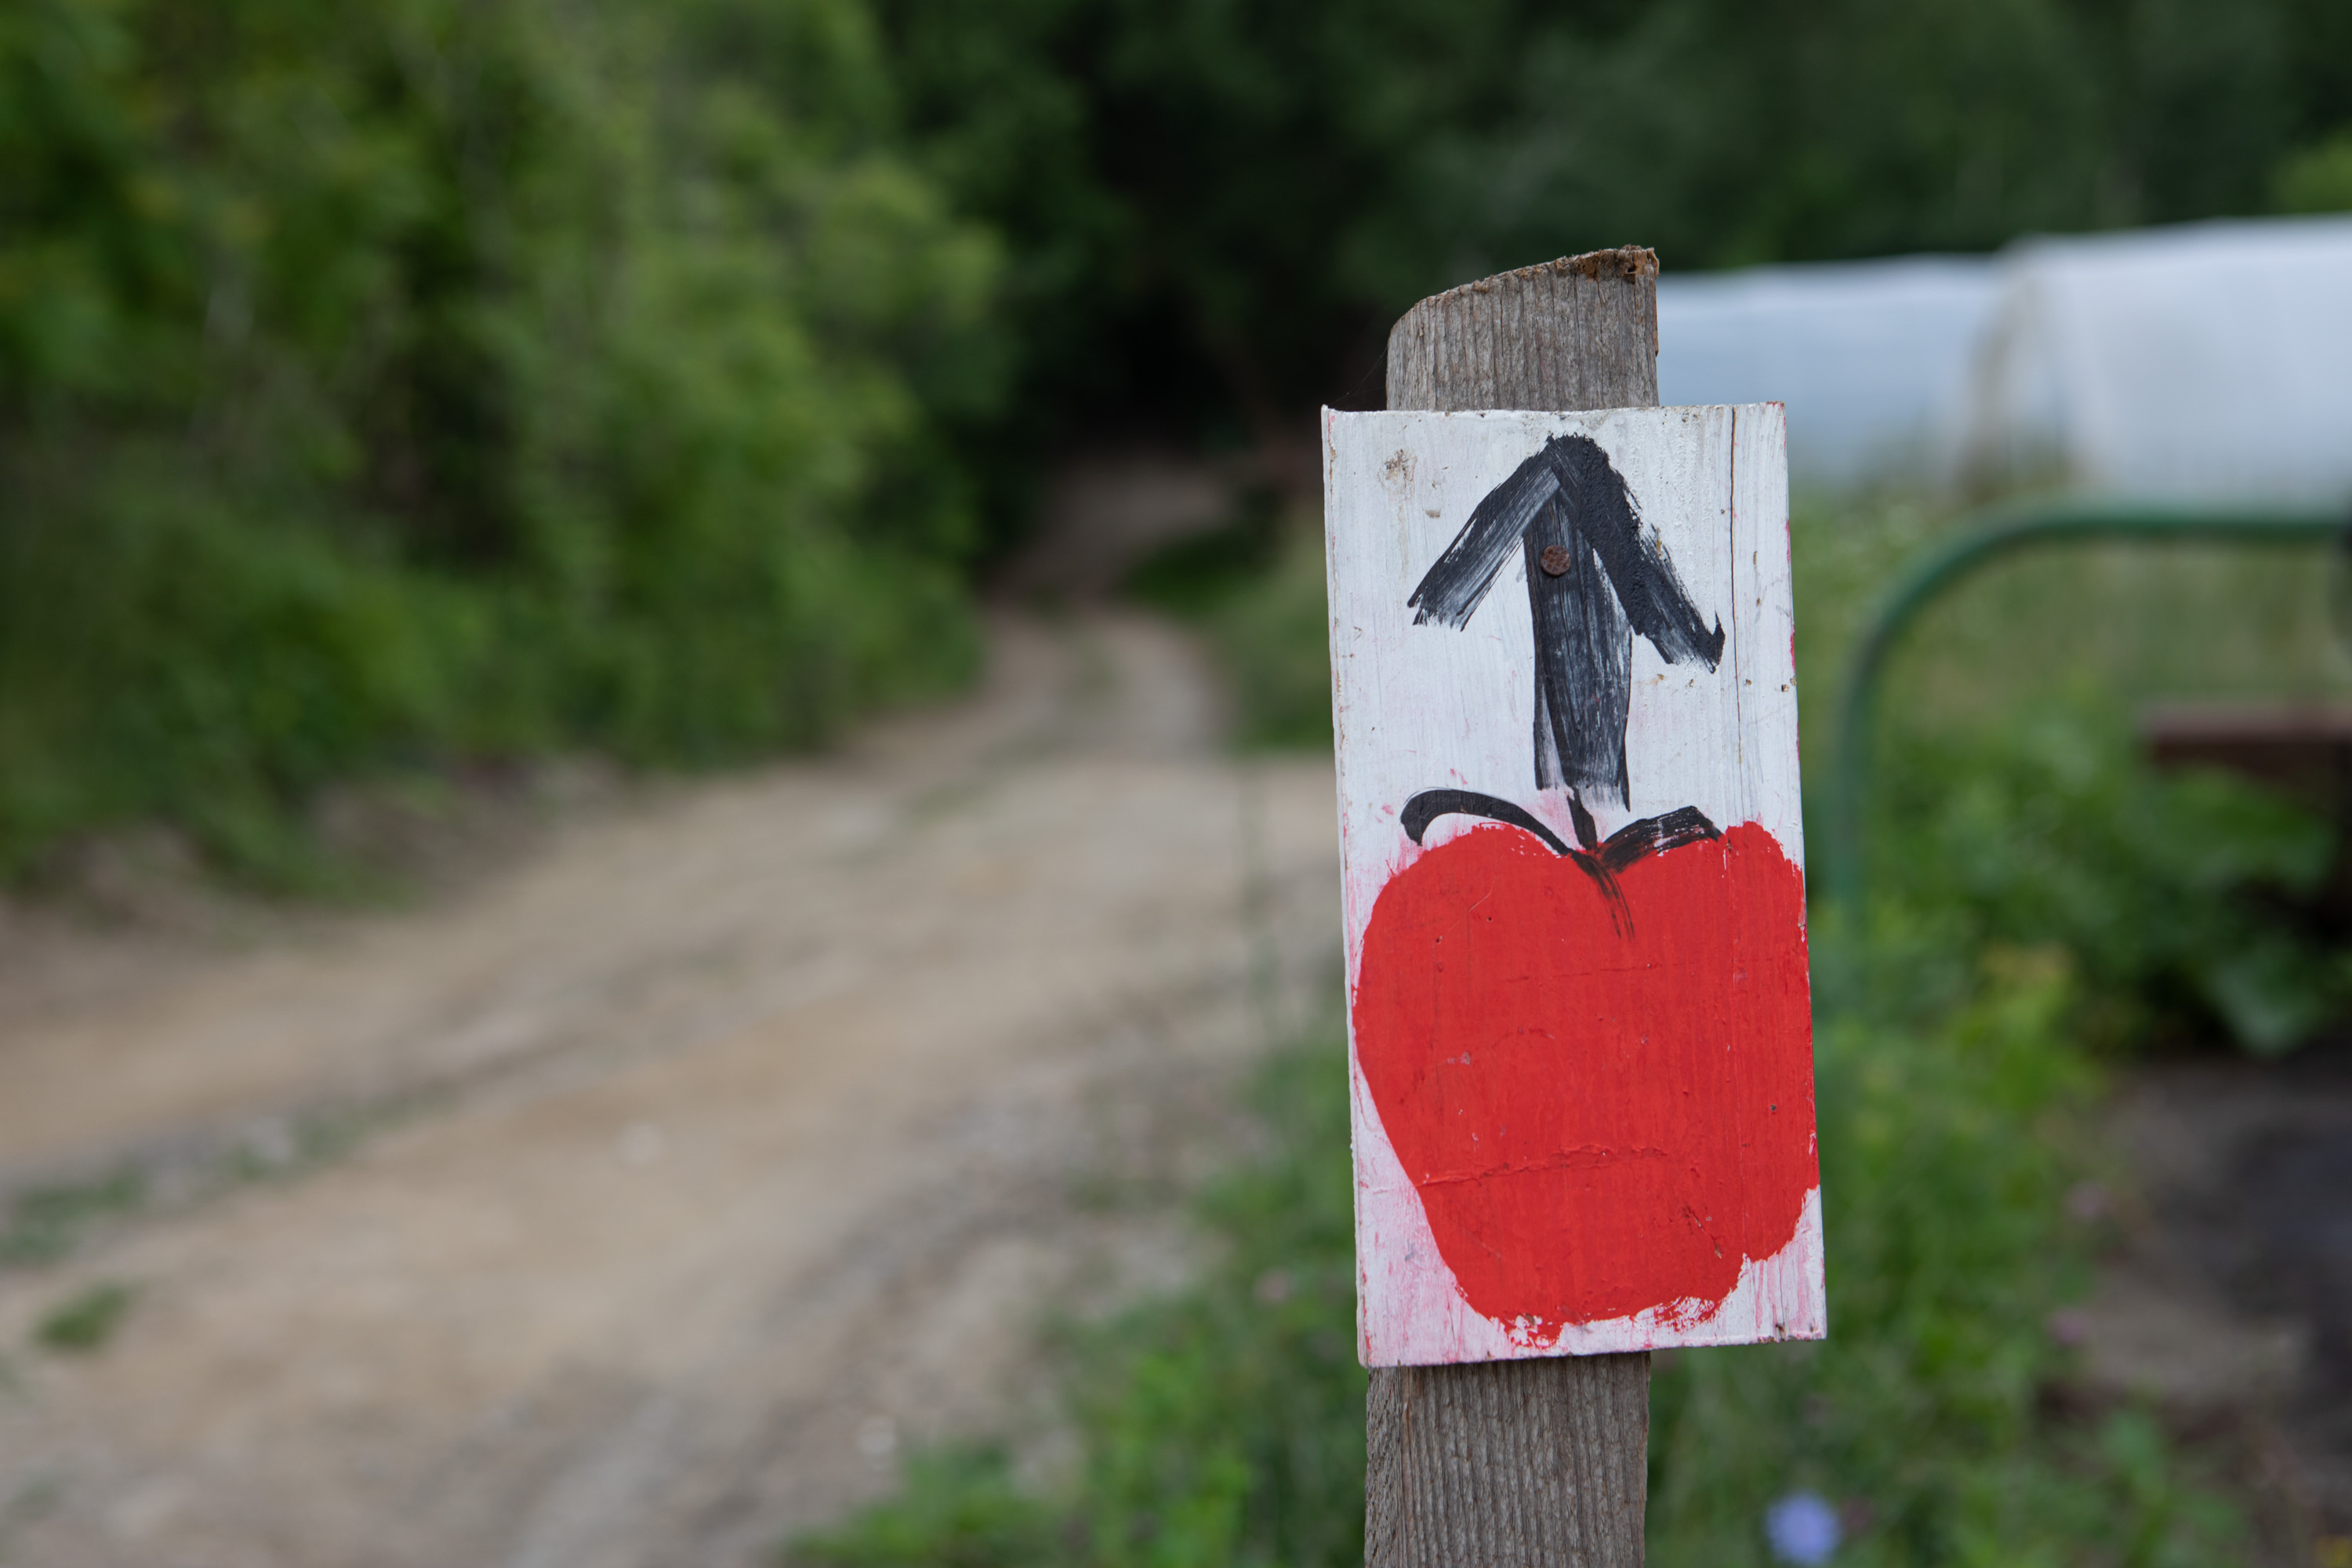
[[1594, 578]]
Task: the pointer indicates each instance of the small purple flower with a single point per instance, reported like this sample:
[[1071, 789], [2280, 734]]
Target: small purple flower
[[1804, 1529]]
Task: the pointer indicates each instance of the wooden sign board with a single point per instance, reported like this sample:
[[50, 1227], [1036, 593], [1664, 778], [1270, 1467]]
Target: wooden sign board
[[1580, 1028]]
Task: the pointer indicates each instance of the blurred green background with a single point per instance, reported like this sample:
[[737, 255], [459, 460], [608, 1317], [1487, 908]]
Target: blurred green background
[[2046, 913], [410, 384]]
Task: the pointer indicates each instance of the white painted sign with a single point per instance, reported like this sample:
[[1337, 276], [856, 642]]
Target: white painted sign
[[1579, 1030]]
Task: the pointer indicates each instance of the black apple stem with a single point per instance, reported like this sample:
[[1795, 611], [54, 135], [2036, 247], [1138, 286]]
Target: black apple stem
[[1602, 862]]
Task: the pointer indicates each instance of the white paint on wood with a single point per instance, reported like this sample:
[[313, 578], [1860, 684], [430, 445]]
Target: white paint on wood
[[1420, 708]]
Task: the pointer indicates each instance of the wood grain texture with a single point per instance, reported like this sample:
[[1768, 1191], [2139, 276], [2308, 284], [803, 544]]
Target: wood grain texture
[[1579, 332], [1512, 1464], [1508, 1464]]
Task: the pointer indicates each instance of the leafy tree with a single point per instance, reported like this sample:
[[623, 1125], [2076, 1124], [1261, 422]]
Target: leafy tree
[[1214, 210], [416, 377]]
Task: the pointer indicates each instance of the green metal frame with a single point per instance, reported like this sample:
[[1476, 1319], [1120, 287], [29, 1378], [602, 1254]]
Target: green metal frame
[[1998, 532]]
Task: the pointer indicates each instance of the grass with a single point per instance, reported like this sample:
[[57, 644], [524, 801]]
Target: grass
[[1953, 1121], [86, 1320], [2187, 903], [46, 1223], [1224, 1424], [2046, 905], [2009, 803], [2132, 623], [632, 430]]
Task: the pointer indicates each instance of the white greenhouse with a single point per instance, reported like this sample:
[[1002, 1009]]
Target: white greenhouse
[[2203, 360]]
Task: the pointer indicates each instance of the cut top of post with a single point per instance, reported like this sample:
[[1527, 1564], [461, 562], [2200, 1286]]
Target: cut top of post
[[1581, 332]]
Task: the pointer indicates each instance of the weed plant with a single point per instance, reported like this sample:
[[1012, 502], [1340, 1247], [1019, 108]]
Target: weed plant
[[84, 1322], [2043, 903], [1956, 1068], [408, 380], [1224, 1425], [1952, 1089], [2189, 905], [42, 1223], [2010, 807], [415, 379]]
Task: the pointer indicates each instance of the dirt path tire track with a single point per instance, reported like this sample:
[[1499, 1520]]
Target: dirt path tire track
[[761, 1123]]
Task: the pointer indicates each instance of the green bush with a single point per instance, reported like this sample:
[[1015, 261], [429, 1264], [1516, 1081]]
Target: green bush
[[83, 1324], [2041, 899], [2187, 902], [412, 379], [1215, 211], [646, 376], [1224, 1425], [1951, 1127], [2191, 904]]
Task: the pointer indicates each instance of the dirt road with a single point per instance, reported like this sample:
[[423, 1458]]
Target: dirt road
[[639, 1205]]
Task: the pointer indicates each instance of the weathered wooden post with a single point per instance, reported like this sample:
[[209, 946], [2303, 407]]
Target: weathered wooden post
[[1519, 1251]]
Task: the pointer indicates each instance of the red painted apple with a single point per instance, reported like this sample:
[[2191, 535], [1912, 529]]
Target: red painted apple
[[1595, 1065]]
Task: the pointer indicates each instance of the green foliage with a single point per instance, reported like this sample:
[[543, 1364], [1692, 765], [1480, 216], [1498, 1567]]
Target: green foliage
[[2319, 178], [1214, 211], [46, 1223], [2042, 897], [2010, 802], [958, 1509], [2184, 900], [1194, 576], [2191, 905], [1224, 1425], [83, 1324], [412, 379], [1949, 1128]]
